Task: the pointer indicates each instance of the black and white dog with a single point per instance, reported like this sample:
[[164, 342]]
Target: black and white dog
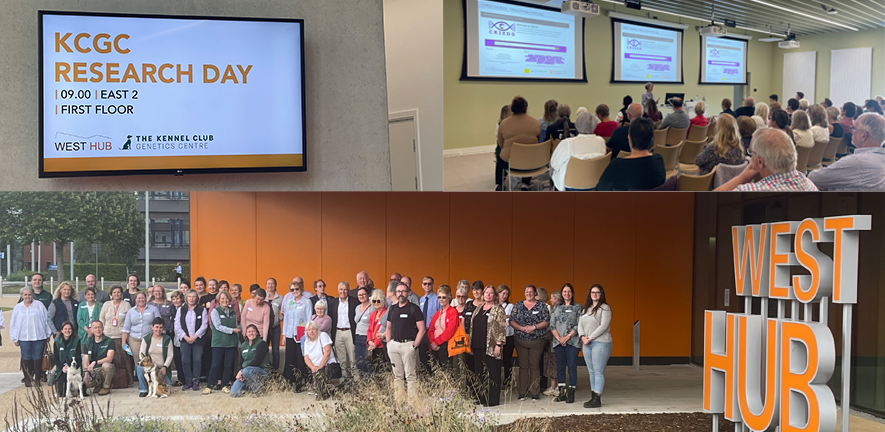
[[75, 379]]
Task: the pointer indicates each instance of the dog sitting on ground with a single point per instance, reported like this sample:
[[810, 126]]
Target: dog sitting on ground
[[75, 380], [157, 388]]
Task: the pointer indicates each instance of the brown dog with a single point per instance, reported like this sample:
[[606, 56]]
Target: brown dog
[[156, 388]]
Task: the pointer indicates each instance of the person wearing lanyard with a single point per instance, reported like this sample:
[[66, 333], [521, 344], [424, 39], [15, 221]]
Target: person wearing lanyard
[[113, 314], [486, 341], [361, 319], [405, 329], [429, 304], [137, 325], [88, 311], [344, 329], [530, 318], [296, 314]]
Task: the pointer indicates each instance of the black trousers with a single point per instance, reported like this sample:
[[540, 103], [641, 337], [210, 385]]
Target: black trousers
[[441, 356], [507, 360], [207, 357], [424, 356], [501, 167], [294, 370], [488, 382]]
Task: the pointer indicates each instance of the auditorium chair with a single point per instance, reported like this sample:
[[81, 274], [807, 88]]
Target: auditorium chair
[[697, 183], [661, 137], [623, 154], [830, 151], [529, 160], [816, 155], [689, 152], [725, 172], [802, 159], [697, 133], [584, 174], [671, 157], [676, 136]]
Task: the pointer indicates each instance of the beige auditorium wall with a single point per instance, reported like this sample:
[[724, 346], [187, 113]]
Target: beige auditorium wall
[[472, 108], [823, 44], [346, 93], [413, 41]]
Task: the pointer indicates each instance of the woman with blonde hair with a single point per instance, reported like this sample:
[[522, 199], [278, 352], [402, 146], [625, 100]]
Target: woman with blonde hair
[[377, 352], [801, 128], [819, 124], [698, 119], [503, 297], [761, 115], [726, 147], [63, 308], [486, 342], [834, 128]]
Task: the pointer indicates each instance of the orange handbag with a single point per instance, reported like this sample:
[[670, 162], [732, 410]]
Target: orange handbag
[[459, 343]]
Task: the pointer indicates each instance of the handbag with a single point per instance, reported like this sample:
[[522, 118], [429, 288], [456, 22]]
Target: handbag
[[47, 358], [459, 343], [334, 370]]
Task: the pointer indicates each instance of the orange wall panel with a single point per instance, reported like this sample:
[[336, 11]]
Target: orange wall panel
[[290, 239], [480, 239], [417, 238], [223, 236], [605, 254], [354, 237], [664, 245], [543, 241]]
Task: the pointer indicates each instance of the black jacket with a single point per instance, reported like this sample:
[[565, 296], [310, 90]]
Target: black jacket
[[745, 111]]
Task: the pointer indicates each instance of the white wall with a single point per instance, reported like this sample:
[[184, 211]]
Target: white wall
[[413, 40], [346, 88]]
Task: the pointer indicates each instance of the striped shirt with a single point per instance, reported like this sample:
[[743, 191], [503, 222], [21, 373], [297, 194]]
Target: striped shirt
[[864, 171], [792, 181]]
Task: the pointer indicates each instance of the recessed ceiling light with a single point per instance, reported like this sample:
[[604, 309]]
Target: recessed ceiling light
[[802, 14]]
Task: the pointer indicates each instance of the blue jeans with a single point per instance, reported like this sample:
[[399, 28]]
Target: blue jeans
[[252, 377], [32, 350], [596, 356], [192, 359], [273, 335], [142, 382], [360, 350], [566, 356], [219, 356]]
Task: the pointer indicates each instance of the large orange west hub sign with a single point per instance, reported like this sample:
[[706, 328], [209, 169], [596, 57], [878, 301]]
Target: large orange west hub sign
[[766, 372]]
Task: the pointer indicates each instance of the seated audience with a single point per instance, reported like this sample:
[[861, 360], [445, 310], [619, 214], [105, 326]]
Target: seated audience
[[651, 112], [678, 119], [584, 146], [774, 106], [761, 115], [871, 106], [827, 103], [803, 104], [642, 169], [726, 107], [698, 119], [606, 125], [726, 147], [819, 123], [781, 120], [505, 112], [772, 99], [801, 127], [622, 114], [800, 95], [256, 364], [548, 118], [792, 106], [773, 157], [618, 141], [835, 128], [863, 171], [748, 109], [746, 127], [563, 127], [518, 128]]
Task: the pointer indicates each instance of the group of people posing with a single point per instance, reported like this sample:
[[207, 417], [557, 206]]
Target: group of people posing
[[348, 336]]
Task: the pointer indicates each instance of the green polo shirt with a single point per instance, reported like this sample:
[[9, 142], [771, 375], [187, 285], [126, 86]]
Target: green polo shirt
[[104, 345], [249, 353]]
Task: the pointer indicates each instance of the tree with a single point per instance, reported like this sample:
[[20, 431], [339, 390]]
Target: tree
[[110, 218]]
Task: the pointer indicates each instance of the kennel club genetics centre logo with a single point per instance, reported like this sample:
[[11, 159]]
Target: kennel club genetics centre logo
[[69, 143], [767, 372], [502, 28]]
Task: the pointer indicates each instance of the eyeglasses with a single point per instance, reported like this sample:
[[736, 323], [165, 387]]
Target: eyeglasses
[[442, 297], [376, 301], [427, 283], [460, 296]]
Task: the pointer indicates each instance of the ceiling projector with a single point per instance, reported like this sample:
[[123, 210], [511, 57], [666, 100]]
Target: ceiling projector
[[580, 8], [713, 31], [788, 44]]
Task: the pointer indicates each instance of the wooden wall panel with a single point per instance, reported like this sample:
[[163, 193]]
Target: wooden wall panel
[[223, 236], [354, 237], [480, 237], [417, 238], [289, 232], [543, 241]]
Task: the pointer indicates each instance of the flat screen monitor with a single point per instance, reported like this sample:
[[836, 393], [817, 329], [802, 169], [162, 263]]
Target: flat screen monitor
[[505, 40], [145, 94], [673, 95]]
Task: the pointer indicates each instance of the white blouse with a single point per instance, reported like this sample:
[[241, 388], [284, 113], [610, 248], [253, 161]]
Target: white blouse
[[28, 323]]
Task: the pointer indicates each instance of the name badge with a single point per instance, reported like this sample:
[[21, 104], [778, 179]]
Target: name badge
[[159, 345], [245, 351], [403, 315], [250, 310], [122, 314], [89, 352], [534, 312], [61, 348], [569, 311], [200, 317], [468, 313]]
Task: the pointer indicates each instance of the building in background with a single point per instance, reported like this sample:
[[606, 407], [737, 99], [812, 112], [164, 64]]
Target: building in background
[[169, 227]]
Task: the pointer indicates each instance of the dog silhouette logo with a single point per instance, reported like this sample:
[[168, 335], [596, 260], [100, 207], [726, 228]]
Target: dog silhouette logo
[[128, 144]]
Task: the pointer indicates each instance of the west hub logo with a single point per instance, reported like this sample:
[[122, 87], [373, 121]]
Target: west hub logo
[[78, 143], [634, 44], [502, 28], [714, 53]]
